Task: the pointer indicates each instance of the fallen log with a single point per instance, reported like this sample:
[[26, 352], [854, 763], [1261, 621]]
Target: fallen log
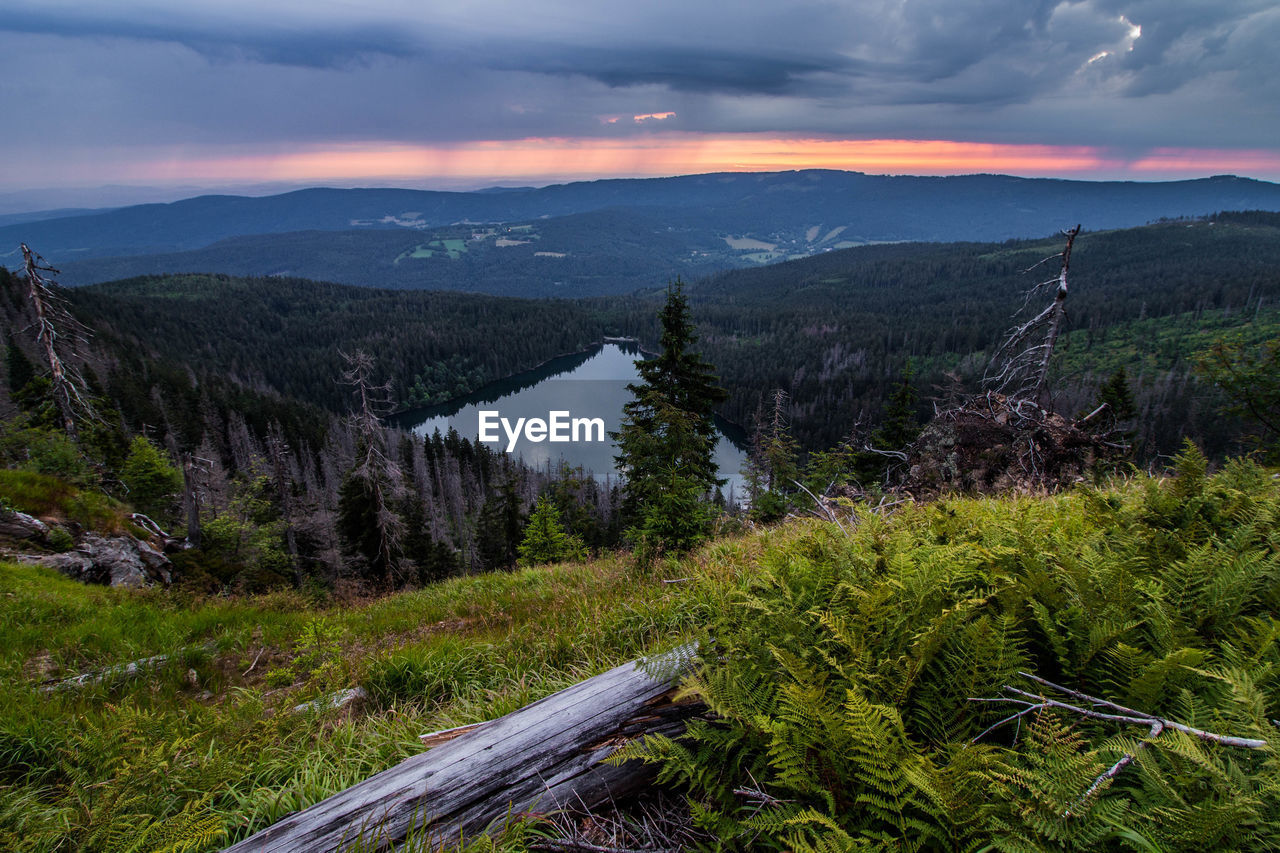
[[540, 758], [333, 701], [116, 673]]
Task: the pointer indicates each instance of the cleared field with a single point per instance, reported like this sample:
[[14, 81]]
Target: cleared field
[[741, 243]]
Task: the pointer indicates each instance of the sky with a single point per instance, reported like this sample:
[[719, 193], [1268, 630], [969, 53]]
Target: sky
[[165, 96]]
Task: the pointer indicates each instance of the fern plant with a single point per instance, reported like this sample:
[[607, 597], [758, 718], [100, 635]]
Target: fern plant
[[841, 672]]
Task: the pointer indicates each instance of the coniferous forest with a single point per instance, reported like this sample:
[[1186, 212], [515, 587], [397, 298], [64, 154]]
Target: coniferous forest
[[1005, 577]]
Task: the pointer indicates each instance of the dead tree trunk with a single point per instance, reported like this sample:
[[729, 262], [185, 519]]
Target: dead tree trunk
[[191, 500], [1019, 367], [543, 757], [1059, 311], [56, 330], [378, 473], [277, 447]]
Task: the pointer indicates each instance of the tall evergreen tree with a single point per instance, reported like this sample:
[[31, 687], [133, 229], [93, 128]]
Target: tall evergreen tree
[[545, 540], [498, 529], [667, 438], [21, 370]]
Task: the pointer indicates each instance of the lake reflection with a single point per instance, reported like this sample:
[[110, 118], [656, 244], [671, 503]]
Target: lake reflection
[[586, 385]]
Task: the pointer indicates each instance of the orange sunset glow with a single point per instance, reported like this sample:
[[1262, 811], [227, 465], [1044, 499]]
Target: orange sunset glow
[[670, 154]]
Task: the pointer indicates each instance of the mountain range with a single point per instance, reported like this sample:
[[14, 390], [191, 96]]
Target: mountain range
[[596, 237]]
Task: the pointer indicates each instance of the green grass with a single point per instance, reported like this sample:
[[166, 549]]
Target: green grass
[[81, 770], [451, 248], [207, 745], [46, 496]]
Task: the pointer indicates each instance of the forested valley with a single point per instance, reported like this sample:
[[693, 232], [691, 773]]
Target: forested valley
[[836, 331], [240, 381], [314, 589]]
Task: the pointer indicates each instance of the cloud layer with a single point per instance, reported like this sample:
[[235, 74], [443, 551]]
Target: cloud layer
[[102, 84]]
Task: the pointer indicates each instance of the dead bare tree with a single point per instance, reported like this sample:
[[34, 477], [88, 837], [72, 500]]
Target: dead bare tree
[[1019, 368], [278, 448], [1008, 438], [60, 335], [378, 474]]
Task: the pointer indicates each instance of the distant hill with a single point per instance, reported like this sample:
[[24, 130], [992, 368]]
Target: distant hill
[[606, 252], [728, 219], [41, 215]]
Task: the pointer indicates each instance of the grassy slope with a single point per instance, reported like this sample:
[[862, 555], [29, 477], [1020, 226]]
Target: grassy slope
[[1201, 560], [87, 770]]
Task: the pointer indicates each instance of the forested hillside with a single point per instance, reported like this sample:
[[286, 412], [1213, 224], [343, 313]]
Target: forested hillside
[[263, 460], [288, 334], [600, 253], [835, 331]]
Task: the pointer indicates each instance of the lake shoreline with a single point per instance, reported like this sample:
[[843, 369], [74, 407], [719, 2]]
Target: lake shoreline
[[738, 431], [590, 349], [587, 384]]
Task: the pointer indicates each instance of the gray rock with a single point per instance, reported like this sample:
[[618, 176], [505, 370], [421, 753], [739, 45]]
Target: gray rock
[[19, 525], [116, 561]]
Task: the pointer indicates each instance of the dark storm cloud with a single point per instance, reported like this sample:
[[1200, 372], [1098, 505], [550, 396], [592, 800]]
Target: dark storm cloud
[[1126, 74], [247, 40], [686, 70], [1186, 41]]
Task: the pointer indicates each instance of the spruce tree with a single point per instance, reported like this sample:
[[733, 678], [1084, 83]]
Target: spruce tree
[[545, 540], [498, 527], [898, 428], [152, 480], [667, 439], [1119, 399], [21, 370]]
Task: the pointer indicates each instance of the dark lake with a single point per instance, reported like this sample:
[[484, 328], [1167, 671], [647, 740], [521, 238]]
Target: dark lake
[[585, 386]]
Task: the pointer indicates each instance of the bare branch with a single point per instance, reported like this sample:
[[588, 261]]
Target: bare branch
[[1226, 740], [1019, 366], [892, 454], [1033, 704], [821, 508]]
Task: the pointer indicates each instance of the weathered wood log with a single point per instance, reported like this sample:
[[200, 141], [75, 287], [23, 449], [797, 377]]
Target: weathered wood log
[[333, 701], [116, 673], [540, 758]]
